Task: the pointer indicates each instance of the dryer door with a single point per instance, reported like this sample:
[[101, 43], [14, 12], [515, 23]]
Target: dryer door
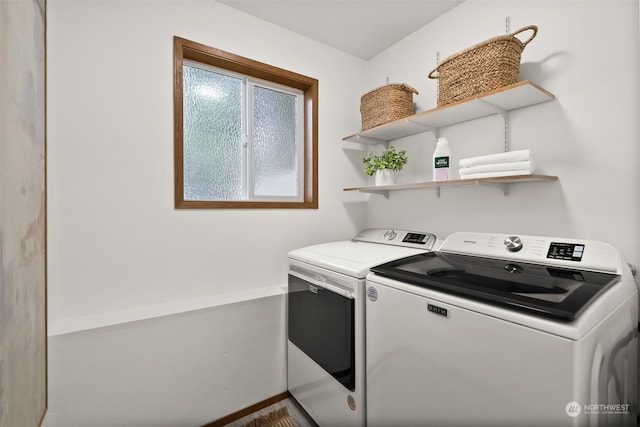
[[321, 324]]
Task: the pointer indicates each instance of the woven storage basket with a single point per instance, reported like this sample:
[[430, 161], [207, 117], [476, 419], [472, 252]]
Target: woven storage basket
[[486, 66], [385, 104]]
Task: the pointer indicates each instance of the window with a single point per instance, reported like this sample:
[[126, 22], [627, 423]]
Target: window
[[245, 133]]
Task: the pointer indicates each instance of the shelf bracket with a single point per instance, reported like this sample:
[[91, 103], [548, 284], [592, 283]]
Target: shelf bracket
[[369, 140], [384, 193], [505, 116], [504, 113], [423, 126], [505, 119], [438, 191]]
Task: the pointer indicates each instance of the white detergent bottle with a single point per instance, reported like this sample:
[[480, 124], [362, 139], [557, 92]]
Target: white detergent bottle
[[442, 160]]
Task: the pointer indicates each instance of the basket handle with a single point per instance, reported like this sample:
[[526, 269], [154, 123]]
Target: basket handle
[[408, 88], [431, 76], [528, 27]]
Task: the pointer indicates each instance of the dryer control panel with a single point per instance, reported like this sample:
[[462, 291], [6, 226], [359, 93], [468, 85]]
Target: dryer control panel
[[409, 239]]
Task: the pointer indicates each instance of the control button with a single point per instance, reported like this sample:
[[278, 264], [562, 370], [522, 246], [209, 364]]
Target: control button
[[513, 243], [390, 234]]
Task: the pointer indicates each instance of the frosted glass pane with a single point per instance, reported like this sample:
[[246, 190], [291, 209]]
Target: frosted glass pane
[[275, 145], [213, 153]]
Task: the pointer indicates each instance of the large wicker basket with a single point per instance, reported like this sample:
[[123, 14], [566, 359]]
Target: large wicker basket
[[486, 66], [385, 104]]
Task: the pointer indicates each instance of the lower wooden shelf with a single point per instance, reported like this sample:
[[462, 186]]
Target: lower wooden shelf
[[511, 179]]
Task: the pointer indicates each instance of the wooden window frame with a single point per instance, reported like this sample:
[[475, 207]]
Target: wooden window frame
[[187, 49]]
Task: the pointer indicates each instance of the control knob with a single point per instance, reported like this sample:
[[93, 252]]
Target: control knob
[[390, 234], [513, 243]]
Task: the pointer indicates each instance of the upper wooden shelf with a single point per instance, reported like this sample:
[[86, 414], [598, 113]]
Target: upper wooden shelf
[[518, 95]]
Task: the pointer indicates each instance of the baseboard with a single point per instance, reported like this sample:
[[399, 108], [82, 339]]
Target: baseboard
[[248, 410]]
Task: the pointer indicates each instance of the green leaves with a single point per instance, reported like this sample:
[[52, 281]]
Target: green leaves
[[389, 159]]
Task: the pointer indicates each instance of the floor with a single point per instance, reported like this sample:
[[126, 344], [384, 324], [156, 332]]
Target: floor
[[295, 411]]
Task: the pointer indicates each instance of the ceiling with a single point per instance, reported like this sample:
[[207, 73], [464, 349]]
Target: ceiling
[[362, 28]]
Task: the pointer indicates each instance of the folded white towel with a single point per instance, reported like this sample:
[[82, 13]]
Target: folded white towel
[[496, 174], [497, 167], [508, 156]]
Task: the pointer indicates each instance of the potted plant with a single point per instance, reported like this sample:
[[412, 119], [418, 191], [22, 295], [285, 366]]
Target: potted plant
[[384, 165]]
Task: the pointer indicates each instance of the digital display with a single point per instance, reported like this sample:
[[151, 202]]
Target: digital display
[[566, 251], [415, 238]]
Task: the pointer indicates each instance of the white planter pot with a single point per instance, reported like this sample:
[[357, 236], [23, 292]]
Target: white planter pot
[[385, 177]]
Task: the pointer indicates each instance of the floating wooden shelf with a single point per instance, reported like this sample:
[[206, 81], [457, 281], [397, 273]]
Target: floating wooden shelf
[[499, 101], [512, 179]]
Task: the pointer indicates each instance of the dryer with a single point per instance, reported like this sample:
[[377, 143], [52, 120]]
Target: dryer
[[326, 320]]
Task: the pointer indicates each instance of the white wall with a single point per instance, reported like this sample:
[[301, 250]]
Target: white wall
[[119, 252], [588, 137], [116, 242]]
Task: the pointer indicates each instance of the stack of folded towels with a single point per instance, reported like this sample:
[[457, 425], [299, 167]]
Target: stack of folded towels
[[509, 163]]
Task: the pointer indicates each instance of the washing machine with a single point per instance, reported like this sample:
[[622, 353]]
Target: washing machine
[[326, 320], [503, 330]]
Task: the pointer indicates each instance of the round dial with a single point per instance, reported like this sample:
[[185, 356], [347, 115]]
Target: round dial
[[513, 243], [390, 234]]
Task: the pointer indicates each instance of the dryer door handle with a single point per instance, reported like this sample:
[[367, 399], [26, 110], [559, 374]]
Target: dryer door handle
[[321, 281]]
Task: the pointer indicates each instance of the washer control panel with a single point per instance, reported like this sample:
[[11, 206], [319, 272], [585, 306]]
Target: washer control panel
[[584, 254]]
